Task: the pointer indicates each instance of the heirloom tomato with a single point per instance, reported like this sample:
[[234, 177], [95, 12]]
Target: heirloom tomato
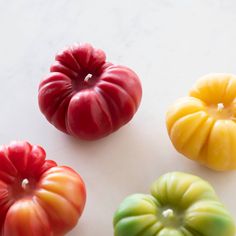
[[37, 197], [180, 204], [202, 126], [87, 97]]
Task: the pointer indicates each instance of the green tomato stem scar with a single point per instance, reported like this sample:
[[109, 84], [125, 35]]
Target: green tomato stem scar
[[169, 213], [171, 218]]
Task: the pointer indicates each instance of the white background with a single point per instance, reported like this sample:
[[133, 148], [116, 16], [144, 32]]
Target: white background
[[168, 43]]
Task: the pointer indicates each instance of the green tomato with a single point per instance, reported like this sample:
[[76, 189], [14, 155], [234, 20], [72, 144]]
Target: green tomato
[[180, 204]]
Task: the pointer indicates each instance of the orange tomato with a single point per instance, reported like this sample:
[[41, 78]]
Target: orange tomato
[[37, 197]]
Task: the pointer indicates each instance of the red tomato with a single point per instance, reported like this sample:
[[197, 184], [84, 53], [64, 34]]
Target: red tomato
[[37, 197], [87, 97]]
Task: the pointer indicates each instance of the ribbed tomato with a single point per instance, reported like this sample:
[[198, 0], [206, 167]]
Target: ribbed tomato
[[180, 204], [202, 126], [37, 197], [87, 97]]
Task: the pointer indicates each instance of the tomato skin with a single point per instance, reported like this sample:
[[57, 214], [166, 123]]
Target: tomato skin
[[202, 127], [88, 108], [180, 204], [37, 197]]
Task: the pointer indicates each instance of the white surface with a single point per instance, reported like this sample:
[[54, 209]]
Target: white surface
[[168, 43]]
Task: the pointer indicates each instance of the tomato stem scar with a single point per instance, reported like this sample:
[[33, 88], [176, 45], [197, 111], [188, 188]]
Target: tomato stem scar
[[168, 213], [24, 183], [220, 106], [87, 77]]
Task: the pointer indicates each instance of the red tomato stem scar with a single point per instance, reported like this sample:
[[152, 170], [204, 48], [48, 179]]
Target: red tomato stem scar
[[87, 77]]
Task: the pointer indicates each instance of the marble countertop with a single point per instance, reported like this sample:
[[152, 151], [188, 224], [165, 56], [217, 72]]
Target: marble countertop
[[168, 43]]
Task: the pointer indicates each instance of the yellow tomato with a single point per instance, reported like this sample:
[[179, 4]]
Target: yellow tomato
[[202, 126]]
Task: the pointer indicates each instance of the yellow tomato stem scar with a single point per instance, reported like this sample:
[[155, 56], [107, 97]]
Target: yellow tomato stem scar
[[220, 106]]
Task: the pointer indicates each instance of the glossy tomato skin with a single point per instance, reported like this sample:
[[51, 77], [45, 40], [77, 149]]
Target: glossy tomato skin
[[87, 97], [180, 204], [37, 197]]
